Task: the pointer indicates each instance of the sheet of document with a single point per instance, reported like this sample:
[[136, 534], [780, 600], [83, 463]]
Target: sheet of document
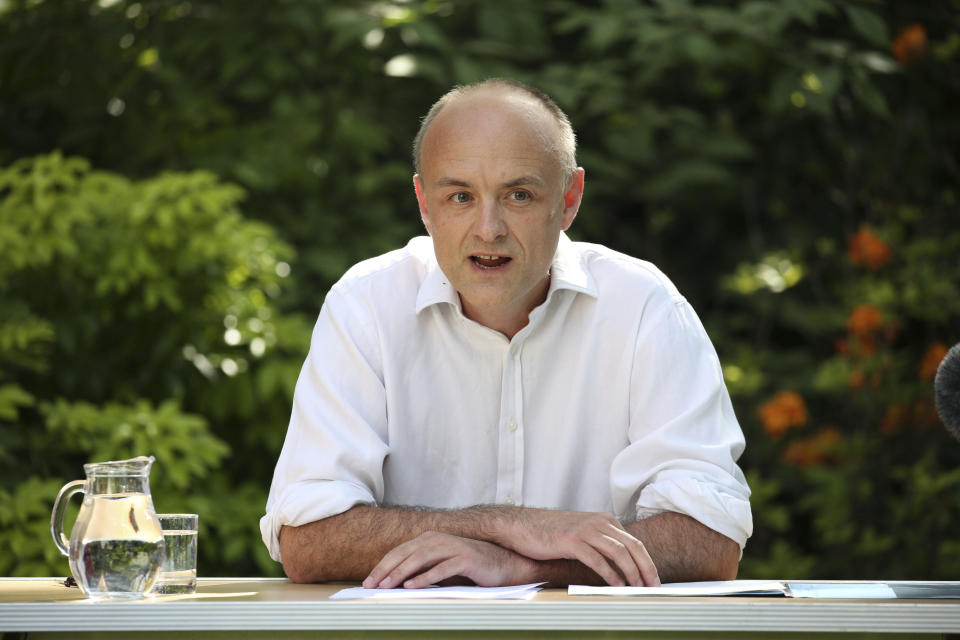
[[914, 589], [519, 592], [751, 588], [719, 588], [857, 590]]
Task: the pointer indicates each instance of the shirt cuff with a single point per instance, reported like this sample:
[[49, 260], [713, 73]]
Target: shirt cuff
[[309, 501], [724, 509]]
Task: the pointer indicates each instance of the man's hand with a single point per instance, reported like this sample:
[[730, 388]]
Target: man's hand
[[597, 540], [432, 557]]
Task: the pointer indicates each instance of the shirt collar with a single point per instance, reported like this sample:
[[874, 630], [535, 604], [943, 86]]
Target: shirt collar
[[566, 272], [435, 288]]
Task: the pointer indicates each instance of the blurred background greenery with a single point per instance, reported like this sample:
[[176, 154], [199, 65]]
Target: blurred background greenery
[[181, 181]]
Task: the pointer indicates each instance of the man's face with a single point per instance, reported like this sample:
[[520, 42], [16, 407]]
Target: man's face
[[491, 195]]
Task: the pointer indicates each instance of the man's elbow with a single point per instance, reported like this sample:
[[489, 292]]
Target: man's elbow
[[727, 562], [295, 572], [728, 571], [720, 561], [292, 558]]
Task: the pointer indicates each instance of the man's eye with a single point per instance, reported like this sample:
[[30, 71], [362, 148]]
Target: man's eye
[[520, 196], [460, 197]]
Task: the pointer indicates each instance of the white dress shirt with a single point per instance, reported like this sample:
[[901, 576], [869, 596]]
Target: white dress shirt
[[610, 399]]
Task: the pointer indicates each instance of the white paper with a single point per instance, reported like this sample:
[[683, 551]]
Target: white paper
[[519, 592], [840, 590], [747, 587], [718, 588]]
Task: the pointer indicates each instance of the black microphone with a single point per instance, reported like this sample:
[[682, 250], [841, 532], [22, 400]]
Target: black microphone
[[946, 388]]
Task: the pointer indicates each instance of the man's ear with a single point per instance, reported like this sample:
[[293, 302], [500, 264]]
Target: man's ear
[[572, 197], [421, 200]]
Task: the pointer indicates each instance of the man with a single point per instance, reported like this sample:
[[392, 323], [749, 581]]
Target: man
[[499, 404]]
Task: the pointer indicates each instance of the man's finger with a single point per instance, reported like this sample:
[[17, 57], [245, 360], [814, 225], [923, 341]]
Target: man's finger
[[441, 571], [596, 561], [648, 573], [419, 559], [648, 570], [640, 558], [617, 552], [387, 564]]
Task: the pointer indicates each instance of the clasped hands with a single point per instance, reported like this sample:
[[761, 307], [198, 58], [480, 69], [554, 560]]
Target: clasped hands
[[519, 539]]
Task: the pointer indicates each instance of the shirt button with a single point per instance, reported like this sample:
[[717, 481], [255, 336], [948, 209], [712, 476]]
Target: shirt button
[[512, 426], [509, 502]]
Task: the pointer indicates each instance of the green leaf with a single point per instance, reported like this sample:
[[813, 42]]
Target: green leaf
[[869, 96], [12, 397], [869, 25], [877, 62]]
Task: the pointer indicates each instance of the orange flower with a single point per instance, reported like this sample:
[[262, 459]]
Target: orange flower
[[865, 346], [931, 360], [864, 319], [785, 410], [922, 414], [894, 418], [910, 45], [814, 450], [866, 249], [892, 330], [857, 379]]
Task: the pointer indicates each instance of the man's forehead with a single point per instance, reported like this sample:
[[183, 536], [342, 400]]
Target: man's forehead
[[493, 96], [492, 108], [492, 123]]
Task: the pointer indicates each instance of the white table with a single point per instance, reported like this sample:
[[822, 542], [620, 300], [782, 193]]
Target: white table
[[249, 607]]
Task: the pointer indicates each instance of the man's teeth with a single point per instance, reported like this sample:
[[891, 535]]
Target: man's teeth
[[489, 262]]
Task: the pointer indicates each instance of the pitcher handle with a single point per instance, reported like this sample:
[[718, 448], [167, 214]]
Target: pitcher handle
[[59, 510]]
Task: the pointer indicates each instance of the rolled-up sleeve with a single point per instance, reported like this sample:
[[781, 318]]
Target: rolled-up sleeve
[[333, 454], [684, 437]]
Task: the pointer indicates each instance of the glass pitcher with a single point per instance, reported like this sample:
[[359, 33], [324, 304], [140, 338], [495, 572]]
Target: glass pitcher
[[116, 546]]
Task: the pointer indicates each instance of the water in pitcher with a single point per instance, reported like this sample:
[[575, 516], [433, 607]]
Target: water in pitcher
[[121, 551]]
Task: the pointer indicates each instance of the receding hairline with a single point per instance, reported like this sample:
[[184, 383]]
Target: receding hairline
[[564, 146]]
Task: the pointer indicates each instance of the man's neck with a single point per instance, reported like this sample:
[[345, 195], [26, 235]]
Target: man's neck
[[511, 319]]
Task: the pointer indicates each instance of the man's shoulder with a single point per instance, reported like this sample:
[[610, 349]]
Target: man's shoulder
[[395, 270], [617, 274]]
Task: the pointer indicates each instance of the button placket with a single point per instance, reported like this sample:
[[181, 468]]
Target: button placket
[[517, 431], [510, 450]]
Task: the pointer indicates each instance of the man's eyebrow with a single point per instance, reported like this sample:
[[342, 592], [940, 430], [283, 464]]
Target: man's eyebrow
[[451, 182], [522, 180], [516, 182]]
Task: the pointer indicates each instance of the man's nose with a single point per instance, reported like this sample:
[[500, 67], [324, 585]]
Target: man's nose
[[490, 225]]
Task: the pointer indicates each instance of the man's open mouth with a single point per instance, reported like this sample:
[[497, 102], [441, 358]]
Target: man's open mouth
[[489, 262]]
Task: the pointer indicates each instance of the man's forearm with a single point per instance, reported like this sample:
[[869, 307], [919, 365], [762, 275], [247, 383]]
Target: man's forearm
[[348, 545], [685, 550]]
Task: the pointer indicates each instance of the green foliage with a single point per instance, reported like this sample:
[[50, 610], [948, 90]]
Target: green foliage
[[185, 450], [26, 548], [791, 165], [123, 303]]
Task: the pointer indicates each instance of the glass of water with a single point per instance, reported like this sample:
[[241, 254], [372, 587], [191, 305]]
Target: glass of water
[[179, 571]]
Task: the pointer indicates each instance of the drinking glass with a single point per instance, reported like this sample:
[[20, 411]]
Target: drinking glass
[[179, 571]]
